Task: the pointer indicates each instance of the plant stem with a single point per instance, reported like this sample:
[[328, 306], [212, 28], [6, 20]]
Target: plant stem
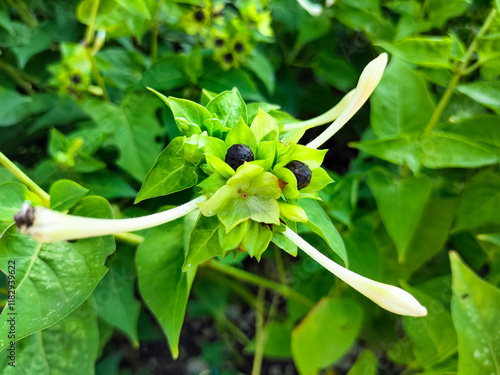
[[460, 70], [97, 74], [130, 238], [24, 12], [279, 265], [260, 337], [154, 32], [4, 160], [89, 33], [11, 71], [242, 275]]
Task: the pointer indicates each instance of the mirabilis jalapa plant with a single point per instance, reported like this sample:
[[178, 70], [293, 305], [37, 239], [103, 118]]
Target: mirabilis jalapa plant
[[252, 180]]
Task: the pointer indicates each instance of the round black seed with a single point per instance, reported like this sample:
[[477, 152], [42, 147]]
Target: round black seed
[[228, 58], [238, 47], [76, 78], [199, 16], [302, 173], [219, 42], [237, 155]]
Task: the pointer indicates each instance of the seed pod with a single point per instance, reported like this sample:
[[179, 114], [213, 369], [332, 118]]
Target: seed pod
[[229, 58], [301, 172], [219, 42], [76, 78], [237, 155]]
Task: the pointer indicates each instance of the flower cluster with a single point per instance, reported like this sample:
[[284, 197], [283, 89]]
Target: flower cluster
[[252, 175], [232, 33]]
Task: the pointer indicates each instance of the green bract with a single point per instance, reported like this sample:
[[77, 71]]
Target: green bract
[[251, 201]]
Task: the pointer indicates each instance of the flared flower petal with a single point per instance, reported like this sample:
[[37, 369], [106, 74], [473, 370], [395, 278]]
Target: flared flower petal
[[389, 297]]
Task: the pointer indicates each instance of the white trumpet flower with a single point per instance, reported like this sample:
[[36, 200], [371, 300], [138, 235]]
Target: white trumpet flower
[[47, 226], [389, 297], [348, 106]]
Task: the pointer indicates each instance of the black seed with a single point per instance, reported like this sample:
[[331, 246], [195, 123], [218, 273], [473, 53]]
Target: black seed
[[238, 47], [219, 42], [302, 173], [199, 16], [76, 79], [237, 155], [228, 58]]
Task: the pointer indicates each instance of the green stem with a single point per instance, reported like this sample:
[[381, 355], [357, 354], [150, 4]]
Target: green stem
[[12, 72], [154, 32], [97, 74], [236, 287], [24, 12], [279, 265], [242, 275], [89, 33], [260, 337], [460, 70], [4, 160], [130, 238]]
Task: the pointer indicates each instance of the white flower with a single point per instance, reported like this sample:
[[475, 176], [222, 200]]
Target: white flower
[[47, 226], [348, 106], [389, 297]]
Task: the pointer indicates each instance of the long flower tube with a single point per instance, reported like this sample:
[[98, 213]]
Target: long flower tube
[[368, 81], [47, 226], [389, 297], [324, 118]]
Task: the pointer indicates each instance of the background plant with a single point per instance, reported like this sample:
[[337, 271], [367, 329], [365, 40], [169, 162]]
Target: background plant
[[78, 120]]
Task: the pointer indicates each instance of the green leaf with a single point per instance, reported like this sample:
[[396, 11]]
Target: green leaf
[[218, 81], [256, 239], [431, 233], [447, 150], [277, 338], [136, 7], [163, 285], [320, 224], [366, 364], [440, 11], [264, 126], [166, 74], [475, 307], [53, 279], [428, 51], [204, 242], [11, 199], [115, 295], [485, 93], [401, 204], [132, 128], [170, 173], [482, 128], [64, 194], [16, 107], [191, 111], [325, 334], [433, 336], [335, 70], [228, 107], [393, 110], [67, 347], [480, 201], [241, 134]]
